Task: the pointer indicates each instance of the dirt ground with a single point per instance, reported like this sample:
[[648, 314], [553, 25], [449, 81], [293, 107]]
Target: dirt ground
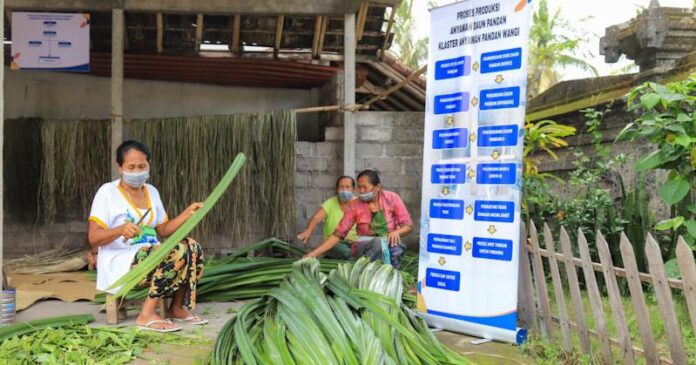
[[487, 353]]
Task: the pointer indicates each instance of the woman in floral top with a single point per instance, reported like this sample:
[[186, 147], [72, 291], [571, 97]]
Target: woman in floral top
[[381, 218]]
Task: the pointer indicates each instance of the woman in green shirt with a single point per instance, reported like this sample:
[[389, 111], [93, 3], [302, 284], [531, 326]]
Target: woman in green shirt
[[331, 212]]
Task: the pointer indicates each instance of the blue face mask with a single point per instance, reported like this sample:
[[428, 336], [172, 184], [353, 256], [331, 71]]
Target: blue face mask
[[345, 196], [136, 179], [367, 197]]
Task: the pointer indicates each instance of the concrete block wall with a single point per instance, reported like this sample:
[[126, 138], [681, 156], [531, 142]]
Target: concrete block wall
[[391, 142], [26, 239], [317, 166]]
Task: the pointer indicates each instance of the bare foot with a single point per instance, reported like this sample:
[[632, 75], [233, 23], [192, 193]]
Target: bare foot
[[143, 320], [178, 312]]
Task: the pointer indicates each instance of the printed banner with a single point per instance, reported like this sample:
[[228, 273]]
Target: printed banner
[[50, 41], [472, 168]]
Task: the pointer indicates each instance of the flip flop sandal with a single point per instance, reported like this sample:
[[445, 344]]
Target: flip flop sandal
[[194, 320], [148, 326]]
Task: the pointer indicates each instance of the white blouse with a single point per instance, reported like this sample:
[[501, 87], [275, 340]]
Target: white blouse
[[113, 207]]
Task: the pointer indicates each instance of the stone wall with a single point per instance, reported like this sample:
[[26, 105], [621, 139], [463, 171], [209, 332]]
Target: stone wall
[[391, 142], [615, 119]]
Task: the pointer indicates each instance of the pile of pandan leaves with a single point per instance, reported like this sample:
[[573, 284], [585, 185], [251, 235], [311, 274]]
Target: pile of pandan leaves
[[352, 315], [70, 340], [239, 276]]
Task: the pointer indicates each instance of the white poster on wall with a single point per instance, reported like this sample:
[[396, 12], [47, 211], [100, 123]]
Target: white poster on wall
[[50, 41], [472, 168]]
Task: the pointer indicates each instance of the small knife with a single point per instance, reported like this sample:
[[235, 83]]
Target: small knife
[[139, 221]]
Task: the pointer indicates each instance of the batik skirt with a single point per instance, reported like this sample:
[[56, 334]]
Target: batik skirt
[[182, 268]]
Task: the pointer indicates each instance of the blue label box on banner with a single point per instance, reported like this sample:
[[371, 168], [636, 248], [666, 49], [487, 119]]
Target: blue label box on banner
[[442, 279], [496, 173], [446, 209], [503, 60], [498, 136], [494, 211], [450, 138], [500, 98], [453, 67], [492, 249], [452, 103], [444, 244], [448, 174]]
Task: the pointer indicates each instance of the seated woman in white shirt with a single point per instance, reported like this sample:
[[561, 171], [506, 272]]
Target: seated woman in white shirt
[[122, 243]]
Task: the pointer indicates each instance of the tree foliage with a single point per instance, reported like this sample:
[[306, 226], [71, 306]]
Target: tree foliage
[[667, 118], [410, 50], [551, 49]]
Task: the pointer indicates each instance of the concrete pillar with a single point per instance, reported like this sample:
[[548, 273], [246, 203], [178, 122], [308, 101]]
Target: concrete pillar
[[117, 33], [349, 133]]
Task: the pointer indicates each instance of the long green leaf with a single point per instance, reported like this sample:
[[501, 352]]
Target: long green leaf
[[136, 275], [353, 315], [23, 328]]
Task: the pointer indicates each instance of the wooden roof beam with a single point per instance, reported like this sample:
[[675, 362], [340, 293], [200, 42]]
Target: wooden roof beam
[[235, 47], [392, 15], [360, 24], [416, 92], [396, 87], [322, 34], [370, 88], [315, 37], [278, 34], [199, 32], [160, 33]]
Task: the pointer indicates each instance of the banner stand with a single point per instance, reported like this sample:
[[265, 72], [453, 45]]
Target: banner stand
[[517, 337], [472, 168]]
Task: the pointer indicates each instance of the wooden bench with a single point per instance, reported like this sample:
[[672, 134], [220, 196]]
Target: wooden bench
[[117, 309]]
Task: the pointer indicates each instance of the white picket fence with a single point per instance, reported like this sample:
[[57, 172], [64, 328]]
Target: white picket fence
[[535, 309]]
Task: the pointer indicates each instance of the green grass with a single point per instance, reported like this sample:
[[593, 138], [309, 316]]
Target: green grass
[[545, 352]]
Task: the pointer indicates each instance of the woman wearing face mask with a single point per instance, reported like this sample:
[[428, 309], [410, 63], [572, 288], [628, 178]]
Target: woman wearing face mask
[[331, 212], [382, 220], [126, 219]]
